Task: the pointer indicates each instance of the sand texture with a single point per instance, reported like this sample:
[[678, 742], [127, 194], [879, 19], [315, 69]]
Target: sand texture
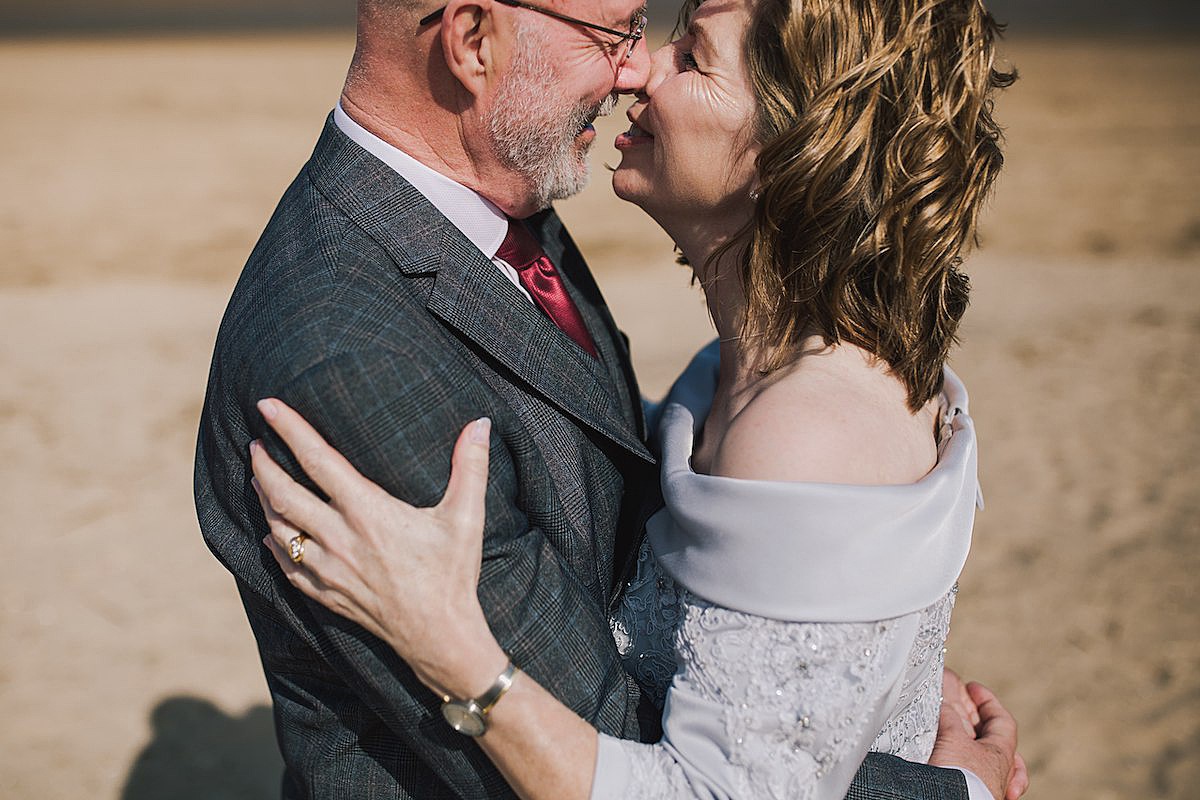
[[138, 174]]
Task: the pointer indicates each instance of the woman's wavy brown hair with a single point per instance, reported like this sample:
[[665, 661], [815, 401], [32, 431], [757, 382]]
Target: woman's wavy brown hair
[[879, 148]]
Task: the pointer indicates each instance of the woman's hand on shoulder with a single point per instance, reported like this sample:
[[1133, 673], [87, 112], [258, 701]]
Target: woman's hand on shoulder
[[408, 575]]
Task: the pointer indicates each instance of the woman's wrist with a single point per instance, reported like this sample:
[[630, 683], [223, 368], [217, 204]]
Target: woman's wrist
[[463, 663], [478, 673], [464, 675]]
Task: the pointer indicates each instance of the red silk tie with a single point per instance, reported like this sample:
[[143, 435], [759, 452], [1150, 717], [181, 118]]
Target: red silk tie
[[541, 280]]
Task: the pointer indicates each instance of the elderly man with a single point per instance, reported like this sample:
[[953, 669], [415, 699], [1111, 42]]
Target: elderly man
[[411, 279]]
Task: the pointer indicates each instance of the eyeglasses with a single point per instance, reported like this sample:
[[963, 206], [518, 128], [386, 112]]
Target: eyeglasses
[[637, 26]]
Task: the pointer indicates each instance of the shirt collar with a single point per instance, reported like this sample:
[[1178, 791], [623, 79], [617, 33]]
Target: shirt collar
[[480, 220]]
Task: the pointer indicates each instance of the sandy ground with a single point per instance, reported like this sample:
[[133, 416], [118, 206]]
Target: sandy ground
[[137, 175]]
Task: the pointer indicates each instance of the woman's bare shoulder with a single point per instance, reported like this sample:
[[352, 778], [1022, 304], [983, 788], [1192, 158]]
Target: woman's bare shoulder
[[829, 425]]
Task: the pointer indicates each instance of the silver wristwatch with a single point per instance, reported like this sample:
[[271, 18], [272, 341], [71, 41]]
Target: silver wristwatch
[[470, 716]]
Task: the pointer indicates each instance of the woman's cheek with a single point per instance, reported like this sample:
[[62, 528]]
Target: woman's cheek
[[725, 104]]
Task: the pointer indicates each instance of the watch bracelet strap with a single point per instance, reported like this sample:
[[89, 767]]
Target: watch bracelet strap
[[494, 692]]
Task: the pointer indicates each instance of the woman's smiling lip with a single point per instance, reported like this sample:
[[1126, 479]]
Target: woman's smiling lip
[[633, 137]]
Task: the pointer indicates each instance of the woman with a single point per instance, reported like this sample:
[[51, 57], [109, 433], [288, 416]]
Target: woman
[[821, 164]]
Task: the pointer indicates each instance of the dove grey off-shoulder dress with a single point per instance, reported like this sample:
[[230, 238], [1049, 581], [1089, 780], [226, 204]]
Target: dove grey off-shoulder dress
[[788, 628]]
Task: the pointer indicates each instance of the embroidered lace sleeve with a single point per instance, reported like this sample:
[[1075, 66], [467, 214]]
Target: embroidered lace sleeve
[[760, 708]]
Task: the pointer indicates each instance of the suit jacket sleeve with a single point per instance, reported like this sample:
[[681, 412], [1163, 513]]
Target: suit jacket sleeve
[[886, 777], [396, 419]]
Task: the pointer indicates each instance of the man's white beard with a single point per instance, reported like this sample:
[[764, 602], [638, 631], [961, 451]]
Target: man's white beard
[[534, 137]]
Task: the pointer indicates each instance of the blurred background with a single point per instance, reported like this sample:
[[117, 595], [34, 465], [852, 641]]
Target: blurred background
[[142, 148]]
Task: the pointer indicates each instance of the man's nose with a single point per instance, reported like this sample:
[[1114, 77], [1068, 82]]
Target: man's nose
[[648, 73], [634, 70]]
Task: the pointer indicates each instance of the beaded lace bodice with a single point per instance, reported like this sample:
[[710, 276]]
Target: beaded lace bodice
[[795, 699], [787, 628]]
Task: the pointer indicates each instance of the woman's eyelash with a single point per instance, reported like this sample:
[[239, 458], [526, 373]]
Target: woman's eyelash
[[687, 60]]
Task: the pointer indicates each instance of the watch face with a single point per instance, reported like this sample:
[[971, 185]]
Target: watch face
[[463, 718]]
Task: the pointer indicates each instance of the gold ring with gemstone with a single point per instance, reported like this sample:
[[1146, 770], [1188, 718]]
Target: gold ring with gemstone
[[296, 548]]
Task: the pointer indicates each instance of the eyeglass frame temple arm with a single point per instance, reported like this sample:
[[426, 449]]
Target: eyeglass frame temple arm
[[625, 37]]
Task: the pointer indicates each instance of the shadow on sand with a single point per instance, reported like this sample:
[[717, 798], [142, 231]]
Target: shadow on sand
[[199, 752]]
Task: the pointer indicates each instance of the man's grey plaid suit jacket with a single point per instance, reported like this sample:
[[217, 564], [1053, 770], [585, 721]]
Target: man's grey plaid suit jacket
[[371, 314]]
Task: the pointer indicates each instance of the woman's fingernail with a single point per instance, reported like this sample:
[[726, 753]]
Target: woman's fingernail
[[268, 408], [481, 430], [254, 445]]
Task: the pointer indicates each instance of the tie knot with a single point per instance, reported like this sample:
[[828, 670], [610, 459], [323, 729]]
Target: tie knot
[[519, 248]]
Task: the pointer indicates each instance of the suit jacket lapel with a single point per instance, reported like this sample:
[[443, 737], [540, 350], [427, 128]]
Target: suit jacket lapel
[[614, 351], [472, 296], [467, 294]]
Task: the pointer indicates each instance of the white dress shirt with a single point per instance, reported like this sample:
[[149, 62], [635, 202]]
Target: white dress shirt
[[478, 218]]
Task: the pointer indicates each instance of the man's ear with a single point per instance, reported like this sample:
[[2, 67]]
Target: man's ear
[[469, 43]]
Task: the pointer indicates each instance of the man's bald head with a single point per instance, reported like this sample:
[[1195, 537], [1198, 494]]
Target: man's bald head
[[411, 6]]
